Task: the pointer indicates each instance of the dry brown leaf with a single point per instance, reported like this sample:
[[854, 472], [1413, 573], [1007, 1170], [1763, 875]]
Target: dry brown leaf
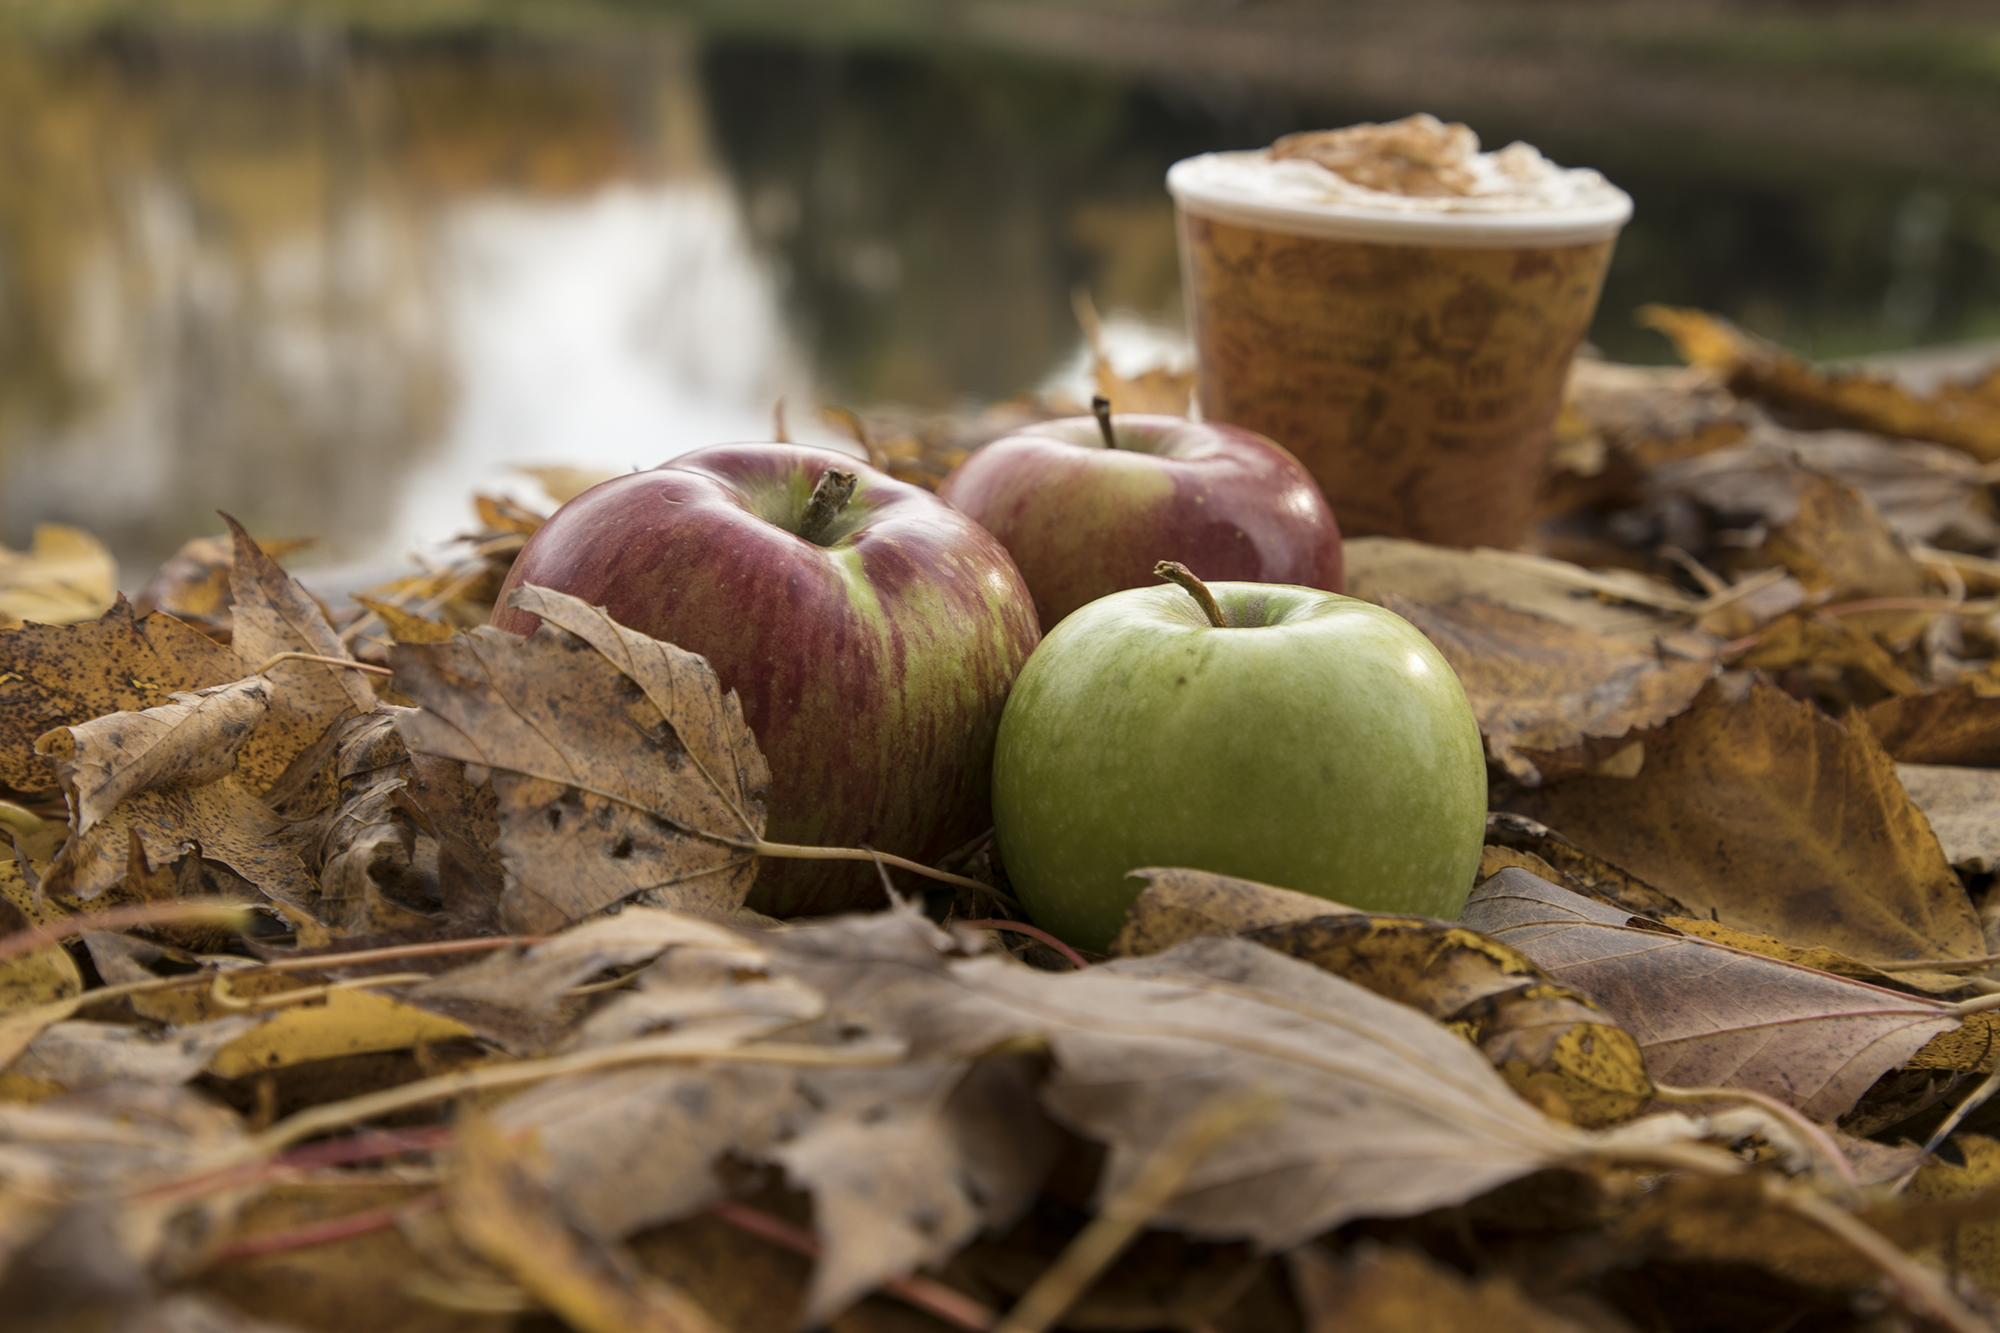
[[905, 1163], [563, 484], [272, 615], [1770, 816], [1926, 493], [1655, 414], [193, 584], [1615, 602], [376, 868], [76, 1056], [1973, 1248], [64, 577], [1548, 1042], [1781, 510], [1157, 389], [1531, 845], [223, 820], [1747, 1220], [1179, 904], [463, 818], [65, 676], [1956, 725], [1568, 697], [1817, 640], [1840, 545], [79, 1166], [1551, 1044], [1383, 1111], [499, 1211], [343, 1284], [610, 784], [1400, 1291], [1707, 1015], [1759, 370], [302, 1019], [188, 742], [1933, 985], [405, 626], [1963, 807], [534, 980]]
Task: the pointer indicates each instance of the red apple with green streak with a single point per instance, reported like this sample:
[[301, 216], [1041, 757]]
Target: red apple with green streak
[[1086, 506], [871, 631]]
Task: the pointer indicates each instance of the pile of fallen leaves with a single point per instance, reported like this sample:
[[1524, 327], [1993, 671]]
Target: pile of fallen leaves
[[346, 982]]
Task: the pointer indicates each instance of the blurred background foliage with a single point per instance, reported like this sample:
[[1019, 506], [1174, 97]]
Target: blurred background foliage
[[297, 259]]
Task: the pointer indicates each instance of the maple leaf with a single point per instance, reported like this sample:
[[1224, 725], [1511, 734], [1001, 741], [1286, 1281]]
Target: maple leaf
[[67, 675], [187, 743], [620, 765]]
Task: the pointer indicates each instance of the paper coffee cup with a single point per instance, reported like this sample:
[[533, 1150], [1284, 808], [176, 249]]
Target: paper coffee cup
[[1410, 350]]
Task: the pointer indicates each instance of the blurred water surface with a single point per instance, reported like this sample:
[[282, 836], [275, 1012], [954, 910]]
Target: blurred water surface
[[332, 281]]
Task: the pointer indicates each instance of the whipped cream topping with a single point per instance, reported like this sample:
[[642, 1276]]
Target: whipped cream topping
[[1414, 165]]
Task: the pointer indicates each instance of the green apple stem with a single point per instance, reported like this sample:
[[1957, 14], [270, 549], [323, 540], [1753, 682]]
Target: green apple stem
[[1100, 407], [1173, 571], [829, 497]]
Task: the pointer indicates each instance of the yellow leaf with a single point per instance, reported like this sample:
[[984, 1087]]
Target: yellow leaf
[[345, 1022], [66, 576]]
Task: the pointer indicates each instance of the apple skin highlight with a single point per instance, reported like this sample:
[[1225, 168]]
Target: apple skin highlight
[[872, 669], [1083, 520], [1319, 744]]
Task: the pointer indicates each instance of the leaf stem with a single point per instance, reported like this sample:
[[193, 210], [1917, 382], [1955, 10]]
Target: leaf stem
[[1127, 1212], [343, 662], [1173, 571], [798, 852], [947, 1303], [1813, 1134], [1100, 407], [1923, 1290], [1076, 959], [123, 918], [830, 495], [333, 1229], [21, 820]]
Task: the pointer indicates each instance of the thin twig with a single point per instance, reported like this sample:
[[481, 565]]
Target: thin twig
[[1936, 964], [1033, 932], [122, 918], [1977, 1098], [321, 658], [1923, 1289], [947, 1303], [795, 852], [333, 1229], [1805, 1127], [648, 1050], [1128, 1211], [219, 990]]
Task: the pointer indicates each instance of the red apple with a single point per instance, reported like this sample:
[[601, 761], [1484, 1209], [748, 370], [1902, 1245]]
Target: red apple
[[872, 643], [1084, 520]]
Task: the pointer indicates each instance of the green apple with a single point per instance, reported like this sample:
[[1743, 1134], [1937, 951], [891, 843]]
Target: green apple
[[1285, 734]]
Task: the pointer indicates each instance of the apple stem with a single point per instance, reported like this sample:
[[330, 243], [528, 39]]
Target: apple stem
[[1173, 571], [1100, 407], [829, 497]]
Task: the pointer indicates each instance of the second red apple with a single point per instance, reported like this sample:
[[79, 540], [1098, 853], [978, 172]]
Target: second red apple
[[1083, 518]]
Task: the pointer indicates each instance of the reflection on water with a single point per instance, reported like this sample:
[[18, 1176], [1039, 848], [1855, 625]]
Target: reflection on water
[[616, 330], [331, 288], [331, 284]]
